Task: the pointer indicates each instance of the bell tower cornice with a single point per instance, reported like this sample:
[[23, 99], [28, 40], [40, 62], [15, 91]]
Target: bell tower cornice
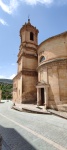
[[27, 26], [26, 45]]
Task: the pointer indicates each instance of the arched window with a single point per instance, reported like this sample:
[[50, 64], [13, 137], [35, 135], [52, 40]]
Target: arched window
[[42, 58], [31, 36]]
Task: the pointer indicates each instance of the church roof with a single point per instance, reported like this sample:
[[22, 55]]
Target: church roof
[[54, 37]]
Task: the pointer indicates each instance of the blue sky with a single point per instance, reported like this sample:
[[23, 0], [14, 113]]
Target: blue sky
[[49, 16]]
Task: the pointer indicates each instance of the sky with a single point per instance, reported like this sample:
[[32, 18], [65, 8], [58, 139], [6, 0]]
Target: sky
[[49, 17]]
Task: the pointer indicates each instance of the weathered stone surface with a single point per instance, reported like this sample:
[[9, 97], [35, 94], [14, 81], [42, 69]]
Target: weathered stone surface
[[54, 51], [29, 97]]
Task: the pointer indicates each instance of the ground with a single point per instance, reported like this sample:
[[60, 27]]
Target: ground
[[28, 131]]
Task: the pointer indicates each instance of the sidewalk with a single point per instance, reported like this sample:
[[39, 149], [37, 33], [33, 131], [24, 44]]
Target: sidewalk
[[31, 108], [38, 109], [61, 114]]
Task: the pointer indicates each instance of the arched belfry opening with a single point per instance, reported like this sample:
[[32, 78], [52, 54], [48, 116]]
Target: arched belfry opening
[[31, 36]]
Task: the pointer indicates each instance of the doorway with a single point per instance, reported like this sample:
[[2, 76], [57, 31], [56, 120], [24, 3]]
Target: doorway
[[42, 96]]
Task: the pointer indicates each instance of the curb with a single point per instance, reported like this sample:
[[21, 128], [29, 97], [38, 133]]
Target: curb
[[58, 115], [16, 108], [30, 111], [34, 111], [38, 112]]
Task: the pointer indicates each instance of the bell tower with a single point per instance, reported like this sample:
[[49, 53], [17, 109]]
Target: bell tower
[[29, 34], [27, 64]]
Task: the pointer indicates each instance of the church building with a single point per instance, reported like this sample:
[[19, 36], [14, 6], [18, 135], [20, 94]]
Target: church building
[[42, 69]]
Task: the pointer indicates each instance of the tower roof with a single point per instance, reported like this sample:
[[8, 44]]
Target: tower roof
[[28, 19], [28, 26]]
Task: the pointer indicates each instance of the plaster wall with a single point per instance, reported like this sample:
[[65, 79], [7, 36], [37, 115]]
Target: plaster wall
[[53, 49], [30, 63], [29, 83]]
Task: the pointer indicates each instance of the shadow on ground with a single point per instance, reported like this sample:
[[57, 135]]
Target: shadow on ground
[[12, 140]]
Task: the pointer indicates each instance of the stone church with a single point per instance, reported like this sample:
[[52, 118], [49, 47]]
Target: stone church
[[42, 69]]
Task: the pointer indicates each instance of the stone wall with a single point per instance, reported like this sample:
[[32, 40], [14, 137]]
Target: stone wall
[[20, 65], [53, 48], [28, 87], [15, 89], [29, 63], [57, 78], [53, 70], [29, 83]]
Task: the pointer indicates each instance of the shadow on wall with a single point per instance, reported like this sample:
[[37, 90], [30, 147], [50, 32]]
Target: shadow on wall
[[12, 140], [52, 101]]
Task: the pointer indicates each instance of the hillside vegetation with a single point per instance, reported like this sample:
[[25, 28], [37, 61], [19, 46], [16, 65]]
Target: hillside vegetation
[[8, 81], [6, 85]]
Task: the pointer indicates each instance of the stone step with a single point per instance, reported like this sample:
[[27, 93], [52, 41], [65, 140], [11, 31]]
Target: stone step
[[62, 107]]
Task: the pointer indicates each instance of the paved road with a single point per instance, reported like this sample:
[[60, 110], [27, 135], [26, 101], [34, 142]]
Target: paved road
[[26, 131]]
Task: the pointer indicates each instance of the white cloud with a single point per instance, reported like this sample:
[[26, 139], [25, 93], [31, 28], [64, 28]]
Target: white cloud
[[46, 2], [13, 4], [10, 7], [3, 22], [59, 2], [2, 77], [12, 76], [38, 1]]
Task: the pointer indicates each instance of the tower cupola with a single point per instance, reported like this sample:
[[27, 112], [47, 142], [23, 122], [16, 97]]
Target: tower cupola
[[29, 33]]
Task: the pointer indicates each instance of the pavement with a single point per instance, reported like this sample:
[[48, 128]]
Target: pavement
[[39, 109], [0, 142], [31, 131]]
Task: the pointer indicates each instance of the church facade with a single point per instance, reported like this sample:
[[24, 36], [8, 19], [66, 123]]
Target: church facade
[[42, 69]]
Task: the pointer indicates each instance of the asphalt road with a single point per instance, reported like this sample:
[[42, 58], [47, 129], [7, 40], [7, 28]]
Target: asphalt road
[[28, 131]]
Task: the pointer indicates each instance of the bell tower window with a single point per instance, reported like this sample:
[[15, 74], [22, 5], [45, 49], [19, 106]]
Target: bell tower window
[[31, 36]]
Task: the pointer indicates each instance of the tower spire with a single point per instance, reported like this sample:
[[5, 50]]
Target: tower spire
[[28, 19]]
